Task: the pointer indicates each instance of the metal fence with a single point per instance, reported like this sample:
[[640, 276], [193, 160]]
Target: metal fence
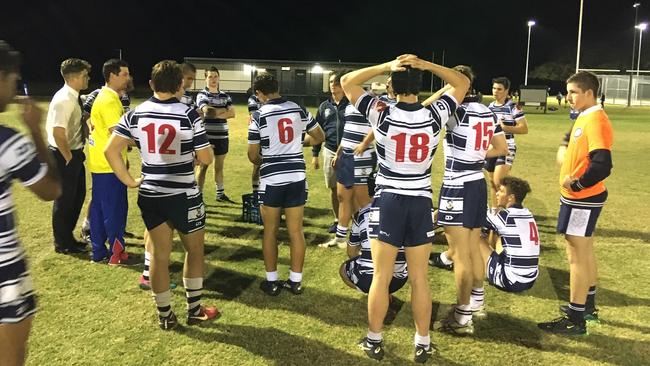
[[616, 89]]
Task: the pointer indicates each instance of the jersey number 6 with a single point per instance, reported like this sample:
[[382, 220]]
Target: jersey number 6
[[285, 130]]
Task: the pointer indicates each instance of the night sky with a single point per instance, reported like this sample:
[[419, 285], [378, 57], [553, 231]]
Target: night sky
[[488, 35]]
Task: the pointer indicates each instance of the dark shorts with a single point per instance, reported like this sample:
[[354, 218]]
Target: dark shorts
[[17, 299], [463, 205], [401, 220], [498, 278], [355, 170], [578, 218], [363, 278], [491, 163], [284, 196], [186, 214], [220, 146]]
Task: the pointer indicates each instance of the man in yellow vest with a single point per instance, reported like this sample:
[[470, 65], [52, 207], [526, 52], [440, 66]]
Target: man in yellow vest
[[109, 198]]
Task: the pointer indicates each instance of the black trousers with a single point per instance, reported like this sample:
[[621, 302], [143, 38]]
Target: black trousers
[[66, 209]]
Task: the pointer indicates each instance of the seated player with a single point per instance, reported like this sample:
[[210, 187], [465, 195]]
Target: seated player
[[275, 143], [357, 271], [170, 137], [515, 268]]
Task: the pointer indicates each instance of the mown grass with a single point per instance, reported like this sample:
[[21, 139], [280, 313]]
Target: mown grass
[[96, 315]]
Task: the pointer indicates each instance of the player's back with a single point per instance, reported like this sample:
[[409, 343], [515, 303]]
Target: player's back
[[279, 125], [167, 133], [468, 137], [520, 241]]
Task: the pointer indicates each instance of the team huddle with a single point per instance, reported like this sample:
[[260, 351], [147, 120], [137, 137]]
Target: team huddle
[[378, 154]]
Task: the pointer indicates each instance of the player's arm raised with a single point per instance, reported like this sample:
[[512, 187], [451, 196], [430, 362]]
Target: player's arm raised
[[435, 96], [352, 82]]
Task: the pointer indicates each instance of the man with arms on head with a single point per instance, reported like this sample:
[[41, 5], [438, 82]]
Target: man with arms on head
[[472, 134], [407, 135], [170, 136], [275, 143], [109, 206], [331, 117], [587, 162], [217, 108], [66, 137], [31, 163], [512, 121]]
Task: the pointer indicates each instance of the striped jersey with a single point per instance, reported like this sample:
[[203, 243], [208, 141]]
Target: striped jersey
[[467, 140], [254, 104], [167, 133], [386, 99], [356, 128], [520, 240], [406, 137], [359, 237], [216, 128], [90, 99], [187, 99], [18, 160], [507, 115], [278, 127]]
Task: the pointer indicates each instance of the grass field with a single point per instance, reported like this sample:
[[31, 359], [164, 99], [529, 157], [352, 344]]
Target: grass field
[[95, 315]]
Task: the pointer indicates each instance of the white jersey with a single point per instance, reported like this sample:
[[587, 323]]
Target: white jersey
[[467, 140], [507, 115], [359, 237], [520, 240], [167, 133], [407, 136], [278, 127]]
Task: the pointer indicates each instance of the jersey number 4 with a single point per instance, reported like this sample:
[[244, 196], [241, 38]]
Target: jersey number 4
[[285, 130], [418, 151], [163, 129], [484, 135], [534, 234]]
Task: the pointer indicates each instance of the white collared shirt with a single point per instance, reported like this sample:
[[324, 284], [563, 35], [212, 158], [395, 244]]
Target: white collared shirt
[[65, 111], [591, 109]]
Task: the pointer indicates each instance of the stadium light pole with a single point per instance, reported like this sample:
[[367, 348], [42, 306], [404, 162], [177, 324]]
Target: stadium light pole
[[579, 35], [531, 23], [641, 27], [629, 87]]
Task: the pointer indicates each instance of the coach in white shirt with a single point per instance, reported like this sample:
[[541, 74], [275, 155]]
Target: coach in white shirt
[[66, 136]]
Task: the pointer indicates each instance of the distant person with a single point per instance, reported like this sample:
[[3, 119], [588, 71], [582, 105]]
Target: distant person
[[217, 109], [602, 101], [513, 121], [170, 136], [66, 137], [331, 118], [29, 161], [109, 207], [275, 142], [587, 163], [559, 97], [254, 105]]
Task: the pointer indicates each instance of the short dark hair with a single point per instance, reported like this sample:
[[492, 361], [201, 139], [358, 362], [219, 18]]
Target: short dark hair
[[9, 58], [212, 69], [585, 81], [503, 81], [188, 67], [112, 66], [166, 77], [74, 66], [266, 84], [517, 186], [408, 81], [337, 76]]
